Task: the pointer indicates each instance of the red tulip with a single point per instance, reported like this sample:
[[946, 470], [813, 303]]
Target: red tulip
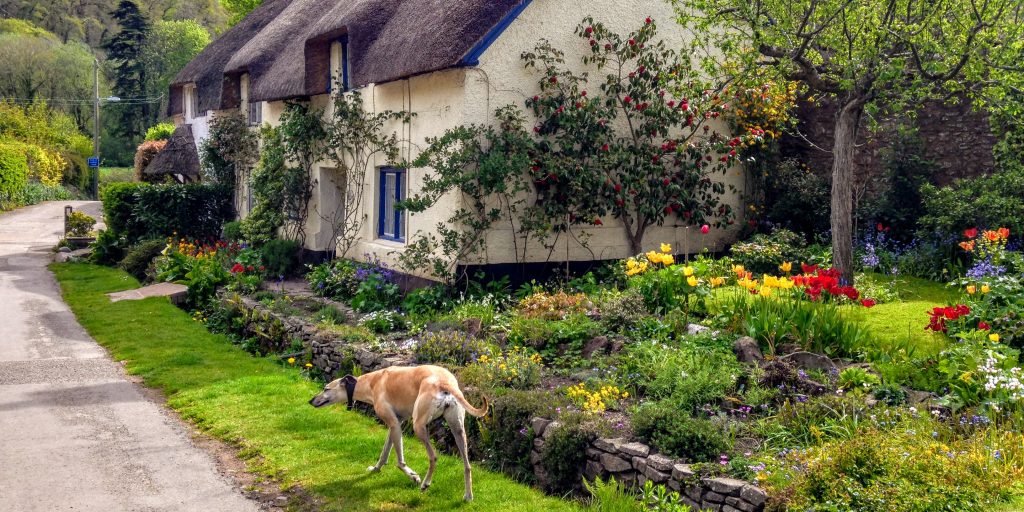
[[704, 229], [868, 303], [983, 326], [971, 233]]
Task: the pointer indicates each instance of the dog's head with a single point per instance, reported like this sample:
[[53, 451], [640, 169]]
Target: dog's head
[[335, 392]]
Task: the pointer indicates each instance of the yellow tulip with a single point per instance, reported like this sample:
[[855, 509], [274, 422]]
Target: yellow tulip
[[692, 281], [668, 259], [786, 283], [687, 271], [786, 266], [652, 256], [765, 292], [971, 290], [666, 248], [985, 288], [993, 337], [738, 270]]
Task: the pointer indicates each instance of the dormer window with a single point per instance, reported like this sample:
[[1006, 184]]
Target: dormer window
[[339, 70]]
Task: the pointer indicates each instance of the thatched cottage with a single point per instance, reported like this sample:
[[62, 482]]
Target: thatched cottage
[[450, 62]]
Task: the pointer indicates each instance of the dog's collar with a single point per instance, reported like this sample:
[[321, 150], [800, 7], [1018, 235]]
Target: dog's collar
[[350, 390]]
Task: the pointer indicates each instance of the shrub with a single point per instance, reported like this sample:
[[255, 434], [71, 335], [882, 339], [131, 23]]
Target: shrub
[[382, 322], [506, 438], [426, 300], [376, 290], [140, 211], [565, 453], [145, 154], [674, 432], [689, 378], [996, 200], [13, 169], [139, 257], [560, 341], [108, 248], [281, 257], [449, 347], [79, 224], [232, 231], [159, 131], [796, 198], [336, 279], [515, 369], [763, 254], [622, 311], [553, 306]]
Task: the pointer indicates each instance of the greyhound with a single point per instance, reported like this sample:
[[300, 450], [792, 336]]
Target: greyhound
[[423, 393]]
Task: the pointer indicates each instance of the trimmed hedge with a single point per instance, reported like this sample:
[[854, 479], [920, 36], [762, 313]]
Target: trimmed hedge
[[13, 169], [140, 211]]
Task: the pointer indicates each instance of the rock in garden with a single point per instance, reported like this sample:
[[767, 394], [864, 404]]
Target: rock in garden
[[596, 344], [659, 462], [695, 329], [727, 486], [472, 326], [638, 449], [753, 495], [810, 361], [538, 425], [608, 445], [747, 351], [613, 464]]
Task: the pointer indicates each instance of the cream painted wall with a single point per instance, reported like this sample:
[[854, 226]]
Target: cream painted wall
[[501, 79]]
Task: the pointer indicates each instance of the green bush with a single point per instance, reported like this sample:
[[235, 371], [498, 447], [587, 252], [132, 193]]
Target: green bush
[[763, 254], [160, 131], [281, 257], [674, 432], [559, 341], [796, 198], [506, 438], [108, 249], [689, 378], [13, 169], [79, 224], [336, 279], [992, 201], [139, 257], [233, 231], [565, 454], [140, 211], [449, 347]]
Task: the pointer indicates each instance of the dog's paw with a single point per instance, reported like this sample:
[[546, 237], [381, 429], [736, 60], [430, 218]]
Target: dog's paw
[[424, 487], [415, 479], [373, 469], [468, 497]]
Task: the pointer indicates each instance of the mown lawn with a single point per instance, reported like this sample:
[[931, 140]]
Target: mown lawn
[[900, 324], [262, 406]]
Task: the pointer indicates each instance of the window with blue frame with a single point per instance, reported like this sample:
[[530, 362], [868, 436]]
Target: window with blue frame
[[338, 70], [390, 221]]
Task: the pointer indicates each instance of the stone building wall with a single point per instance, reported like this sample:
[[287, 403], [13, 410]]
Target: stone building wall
[[956, 138]]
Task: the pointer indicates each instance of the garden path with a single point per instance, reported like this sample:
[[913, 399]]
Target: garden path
[[75, 432]]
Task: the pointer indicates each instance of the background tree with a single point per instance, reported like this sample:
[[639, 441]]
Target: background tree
[[169, 46], [238, 9], [128, 70], [872, 57]]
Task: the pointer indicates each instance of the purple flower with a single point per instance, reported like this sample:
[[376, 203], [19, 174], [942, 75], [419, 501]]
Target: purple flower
[[985, 268]]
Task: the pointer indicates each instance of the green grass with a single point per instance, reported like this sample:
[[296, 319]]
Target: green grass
[[115, 174], [262, 406], [900, 324]]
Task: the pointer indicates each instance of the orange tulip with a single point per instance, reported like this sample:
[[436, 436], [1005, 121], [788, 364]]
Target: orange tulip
[[1004, 233]]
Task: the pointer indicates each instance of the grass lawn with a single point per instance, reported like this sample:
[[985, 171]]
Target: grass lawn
[[115, 174], [900, 324], [262, 406]]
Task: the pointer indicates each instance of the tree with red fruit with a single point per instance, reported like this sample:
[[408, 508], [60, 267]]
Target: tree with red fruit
[[638, 141]]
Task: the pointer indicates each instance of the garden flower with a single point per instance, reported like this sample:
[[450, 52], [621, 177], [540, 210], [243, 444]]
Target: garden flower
[[666, 248], [994, 337], [983, 326], [971, 233], [704, 229], [739, 270], [1003, 233], [967, 246], [309, 365], [687, 271], [985, 288], [868, 303], [786, 266], [692, 281], [291, 360], [971, 289]]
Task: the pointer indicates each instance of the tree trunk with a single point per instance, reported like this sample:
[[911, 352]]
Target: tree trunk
[[843, 151]]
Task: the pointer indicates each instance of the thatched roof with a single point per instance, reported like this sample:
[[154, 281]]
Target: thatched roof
[[179, 156], [281, 43], [206, 70]]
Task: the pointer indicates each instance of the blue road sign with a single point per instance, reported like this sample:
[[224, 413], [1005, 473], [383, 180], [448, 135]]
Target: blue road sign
[[94, 161]]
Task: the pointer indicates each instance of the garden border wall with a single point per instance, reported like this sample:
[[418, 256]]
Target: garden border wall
[[630, 463]]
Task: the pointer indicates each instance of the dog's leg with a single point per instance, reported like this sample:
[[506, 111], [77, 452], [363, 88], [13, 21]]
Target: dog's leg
[[456, 416], [423, 412], [383, 461], [387, 415]]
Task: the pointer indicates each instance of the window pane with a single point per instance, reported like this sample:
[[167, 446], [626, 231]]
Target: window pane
[[389, 205]]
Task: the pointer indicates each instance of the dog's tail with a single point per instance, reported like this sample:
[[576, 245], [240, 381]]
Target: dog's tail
[[457, 393]]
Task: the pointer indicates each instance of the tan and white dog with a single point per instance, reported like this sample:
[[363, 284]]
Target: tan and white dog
[[423, 393]]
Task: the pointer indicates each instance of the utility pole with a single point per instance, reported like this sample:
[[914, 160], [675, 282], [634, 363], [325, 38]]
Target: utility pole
[[95, 172]]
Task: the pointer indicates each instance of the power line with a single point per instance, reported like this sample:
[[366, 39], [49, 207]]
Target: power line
[[76, 101]]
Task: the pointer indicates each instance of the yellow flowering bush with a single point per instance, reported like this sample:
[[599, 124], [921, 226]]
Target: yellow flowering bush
[[553, 306], [515, 368], [765, 109], [595, 401]]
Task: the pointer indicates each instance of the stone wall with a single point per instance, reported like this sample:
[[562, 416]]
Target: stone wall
[[630, 463], [957, 139], [633, 464]]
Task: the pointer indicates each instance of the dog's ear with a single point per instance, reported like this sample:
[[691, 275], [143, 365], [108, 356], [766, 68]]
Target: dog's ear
[[350, 390], [348, 379]]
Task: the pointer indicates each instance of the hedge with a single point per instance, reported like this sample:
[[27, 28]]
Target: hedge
[[140, 211], [13, 169]]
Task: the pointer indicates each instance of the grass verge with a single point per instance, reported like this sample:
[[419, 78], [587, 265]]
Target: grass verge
[[900, 324], [261, 406]]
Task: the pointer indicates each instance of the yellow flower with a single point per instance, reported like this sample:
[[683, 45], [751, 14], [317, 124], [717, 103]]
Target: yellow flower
[[966, 377], [309, 365], [994, 337], [739, 270], [786, 266], [653, 257], [692, 281], [717, 281], [765, 292], [971, 289], [668, 259], [985, 288], [666, 248], [631, 264], [687, 271], [291, 360]]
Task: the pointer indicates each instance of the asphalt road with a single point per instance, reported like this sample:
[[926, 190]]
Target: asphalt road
[[75, 433]]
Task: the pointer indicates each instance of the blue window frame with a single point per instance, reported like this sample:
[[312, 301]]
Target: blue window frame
[[390, 221], [343, 42]]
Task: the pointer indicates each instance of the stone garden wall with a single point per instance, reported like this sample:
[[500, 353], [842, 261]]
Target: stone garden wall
[[630, 463]]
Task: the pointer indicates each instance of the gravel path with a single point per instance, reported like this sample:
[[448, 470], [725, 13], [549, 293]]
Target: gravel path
[[75, 433]]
